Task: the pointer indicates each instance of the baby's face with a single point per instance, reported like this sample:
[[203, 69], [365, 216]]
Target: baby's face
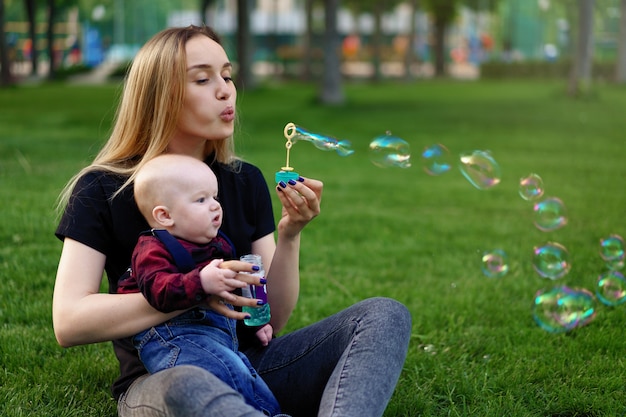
[[196, 212]]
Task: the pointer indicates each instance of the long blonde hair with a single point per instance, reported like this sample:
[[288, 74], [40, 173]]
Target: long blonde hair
[[148, 111]]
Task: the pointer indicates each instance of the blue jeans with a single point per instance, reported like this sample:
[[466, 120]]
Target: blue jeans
[[344, 366], [206, 339]]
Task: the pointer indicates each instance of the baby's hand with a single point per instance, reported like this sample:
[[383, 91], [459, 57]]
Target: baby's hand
[[219, 281], [265, 334]]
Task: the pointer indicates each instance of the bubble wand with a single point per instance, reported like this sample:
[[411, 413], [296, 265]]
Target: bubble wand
[[287, 173], [293, 133]]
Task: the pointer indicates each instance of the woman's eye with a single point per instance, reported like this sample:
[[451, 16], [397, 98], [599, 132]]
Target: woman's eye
[[228, 79], [202, 81]]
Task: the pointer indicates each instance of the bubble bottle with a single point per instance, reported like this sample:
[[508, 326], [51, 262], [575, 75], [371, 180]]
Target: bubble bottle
[[258, 315]]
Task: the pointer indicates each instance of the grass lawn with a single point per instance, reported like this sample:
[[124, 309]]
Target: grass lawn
[[475, 349]]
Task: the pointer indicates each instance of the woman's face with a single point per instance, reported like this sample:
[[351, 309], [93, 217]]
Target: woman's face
[[208, 111]]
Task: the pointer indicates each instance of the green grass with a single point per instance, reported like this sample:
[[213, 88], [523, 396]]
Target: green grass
[[475, 349]]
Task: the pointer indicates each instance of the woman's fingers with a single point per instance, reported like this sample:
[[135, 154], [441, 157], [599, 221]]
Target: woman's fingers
[[218, 304]]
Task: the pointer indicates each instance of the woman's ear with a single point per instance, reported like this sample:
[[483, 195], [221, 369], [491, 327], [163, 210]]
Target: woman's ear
[[161, 215]]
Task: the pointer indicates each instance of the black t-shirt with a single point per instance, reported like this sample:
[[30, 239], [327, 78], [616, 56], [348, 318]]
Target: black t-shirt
[[112, 226]]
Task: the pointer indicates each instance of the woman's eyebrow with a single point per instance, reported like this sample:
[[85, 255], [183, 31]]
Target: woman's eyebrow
[[227, 65]]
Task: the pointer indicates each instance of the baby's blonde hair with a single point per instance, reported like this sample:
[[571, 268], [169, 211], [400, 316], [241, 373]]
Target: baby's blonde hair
[[161, 180]]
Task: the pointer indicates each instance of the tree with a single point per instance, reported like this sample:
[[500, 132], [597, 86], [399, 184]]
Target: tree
[[52, 11], [620, 75], [377, 42], [332, 92], [443, 13], [5, 64], [245, 76], [377, 8], [580, 75], [204, 7], [410, 47], [32, 35], [307, 42]]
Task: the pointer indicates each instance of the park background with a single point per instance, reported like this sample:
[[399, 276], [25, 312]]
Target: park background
[[543, 94]]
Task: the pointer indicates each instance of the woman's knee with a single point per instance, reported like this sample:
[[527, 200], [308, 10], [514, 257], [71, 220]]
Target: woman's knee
[[388, 311], [387, 319]]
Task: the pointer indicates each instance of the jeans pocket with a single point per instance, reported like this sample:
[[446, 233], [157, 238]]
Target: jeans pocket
[[156, 352]]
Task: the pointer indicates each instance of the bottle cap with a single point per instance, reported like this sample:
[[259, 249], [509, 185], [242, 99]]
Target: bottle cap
[[285, 176]]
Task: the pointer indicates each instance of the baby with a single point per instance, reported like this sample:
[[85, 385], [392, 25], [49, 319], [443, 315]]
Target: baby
[[177, 195]]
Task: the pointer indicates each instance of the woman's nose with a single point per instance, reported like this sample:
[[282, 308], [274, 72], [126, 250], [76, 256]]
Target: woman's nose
[[223, 91]]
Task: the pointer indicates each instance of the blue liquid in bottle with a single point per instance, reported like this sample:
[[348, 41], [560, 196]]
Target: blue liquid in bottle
[[258, 315]]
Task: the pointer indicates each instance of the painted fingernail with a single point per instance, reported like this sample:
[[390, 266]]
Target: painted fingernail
[[279, 189], [263, 281], [282, 184], [300, 179], [260, 302], [292, 182], [248, 317], [256, 267]]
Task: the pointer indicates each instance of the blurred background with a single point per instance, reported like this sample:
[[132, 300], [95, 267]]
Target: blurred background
[[309, 39]]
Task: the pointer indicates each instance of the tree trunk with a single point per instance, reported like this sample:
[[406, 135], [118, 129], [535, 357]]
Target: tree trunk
[[50, 38], [620, 75], [580, 79], [204, 7], [332, 92], [307, 44], [410, 47], [377, 41], [5, 65], [32, 35], [440, 48], [245, 76]]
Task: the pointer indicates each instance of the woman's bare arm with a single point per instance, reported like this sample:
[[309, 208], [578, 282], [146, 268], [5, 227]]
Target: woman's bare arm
[[81, 315], [301, 204]]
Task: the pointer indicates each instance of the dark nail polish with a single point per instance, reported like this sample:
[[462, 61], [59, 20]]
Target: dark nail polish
[[282, 184], [300, 179], [248, 317], [292, 182], [256, 267], [263, 281], [260, 302]]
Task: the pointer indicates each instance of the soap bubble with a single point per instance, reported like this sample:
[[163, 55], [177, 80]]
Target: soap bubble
[[325, 143], [551, 260], [550, 214], [436, 160], [480, 169], [390, 151], [531, 187], [612, 249], [611, 288], [495, 264], [562, 309]]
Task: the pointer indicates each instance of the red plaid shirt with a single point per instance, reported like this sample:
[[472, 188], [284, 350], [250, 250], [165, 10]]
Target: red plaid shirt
[[154, 273]]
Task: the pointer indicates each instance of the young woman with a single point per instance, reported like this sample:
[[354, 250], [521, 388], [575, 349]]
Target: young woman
[[179, 98]]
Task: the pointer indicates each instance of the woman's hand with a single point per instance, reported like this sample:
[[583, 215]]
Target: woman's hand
[[232, 275], [301, 203]]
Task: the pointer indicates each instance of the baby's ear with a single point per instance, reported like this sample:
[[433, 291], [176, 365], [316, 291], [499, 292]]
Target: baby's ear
[[161, 215]]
